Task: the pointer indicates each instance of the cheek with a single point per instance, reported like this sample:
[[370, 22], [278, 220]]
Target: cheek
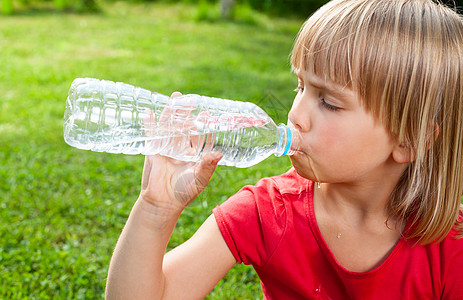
[[330, 137], [361, 146], [341, 141]]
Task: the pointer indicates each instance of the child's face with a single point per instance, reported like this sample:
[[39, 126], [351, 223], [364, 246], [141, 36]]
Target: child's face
[[340, 140]]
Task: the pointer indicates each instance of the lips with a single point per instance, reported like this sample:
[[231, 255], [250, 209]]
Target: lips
[[300, 151]]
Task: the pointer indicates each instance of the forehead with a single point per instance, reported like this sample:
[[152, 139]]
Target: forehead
[[323, 83]]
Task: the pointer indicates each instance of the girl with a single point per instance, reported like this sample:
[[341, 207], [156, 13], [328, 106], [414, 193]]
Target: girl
[[372, 207]]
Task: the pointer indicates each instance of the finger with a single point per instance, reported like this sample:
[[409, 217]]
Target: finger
[[179, 113], [152, 120], [206, 168], [168, 109]]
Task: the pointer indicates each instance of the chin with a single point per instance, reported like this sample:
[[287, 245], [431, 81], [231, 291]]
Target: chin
[[305, 175], [302, 170], [303, 166]]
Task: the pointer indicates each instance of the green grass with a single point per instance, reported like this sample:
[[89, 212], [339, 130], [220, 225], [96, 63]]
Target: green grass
[[62, 209]]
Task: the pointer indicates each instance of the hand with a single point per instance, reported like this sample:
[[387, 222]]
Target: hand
[[169, 185]]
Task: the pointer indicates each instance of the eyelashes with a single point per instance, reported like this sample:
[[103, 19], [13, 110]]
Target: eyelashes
[[328, 106], [323, 103]]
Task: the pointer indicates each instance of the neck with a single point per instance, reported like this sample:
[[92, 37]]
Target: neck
[[353, 201], [361, 201]]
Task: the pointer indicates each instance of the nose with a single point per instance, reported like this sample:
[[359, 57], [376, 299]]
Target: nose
[[299, 115]]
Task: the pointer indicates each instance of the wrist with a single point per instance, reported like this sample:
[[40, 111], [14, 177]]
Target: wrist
[[155, 216]]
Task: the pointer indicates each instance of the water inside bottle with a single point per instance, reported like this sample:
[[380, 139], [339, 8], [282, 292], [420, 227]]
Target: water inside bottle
[[240, 147], [243, 142]]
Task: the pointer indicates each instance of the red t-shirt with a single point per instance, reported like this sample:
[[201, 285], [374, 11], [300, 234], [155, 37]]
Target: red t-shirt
[[272, 226]]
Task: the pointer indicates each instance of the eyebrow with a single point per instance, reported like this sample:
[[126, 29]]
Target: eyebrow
[[324, 85]]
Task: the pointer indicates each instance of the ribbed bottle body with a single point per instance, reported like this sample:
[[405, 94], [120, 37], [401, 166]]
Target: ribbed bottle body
[[241, 131], [105, 116], [120, 118]]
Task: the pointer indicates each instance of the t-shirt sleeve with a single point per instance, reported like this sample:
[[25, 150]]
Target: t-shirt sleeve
[[453, 274], [252, 222]]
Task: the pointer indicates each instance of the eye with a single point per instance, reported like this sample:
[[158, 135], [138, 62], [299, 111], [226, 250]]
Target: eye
[[300, 86], [328, 106], [299, 89]]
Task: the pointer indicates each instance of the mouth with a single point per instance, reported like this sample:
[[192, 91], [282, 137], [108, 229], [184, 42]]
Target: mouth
[[298, 152]]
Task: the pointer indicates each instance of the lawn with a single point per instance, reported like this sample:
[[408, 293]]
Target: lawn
[[62, 209]]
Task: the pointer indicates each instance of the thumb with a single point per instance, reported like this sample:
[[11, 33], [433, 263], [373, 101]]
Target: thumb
[[206, 168]]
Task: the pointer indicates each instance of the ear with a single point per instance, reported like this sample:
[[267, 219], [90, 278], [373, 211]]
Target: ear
[[403, 153]]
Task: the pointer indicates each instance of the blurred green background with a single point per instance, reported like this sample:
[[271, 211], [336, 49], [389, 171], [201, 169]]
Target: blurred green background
[[62, 209]]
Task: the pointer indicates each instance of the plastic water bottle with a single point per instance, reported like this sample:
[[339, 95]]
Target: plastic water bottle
[[120, 118]]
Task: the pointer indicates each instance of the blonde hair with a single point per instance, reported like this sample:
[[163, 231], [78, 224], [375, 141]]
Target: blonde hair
[[405, 59]]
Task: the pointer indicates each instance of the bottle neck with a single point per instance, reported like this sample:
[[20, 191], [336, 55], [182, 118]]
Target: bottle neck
[[287, 143]]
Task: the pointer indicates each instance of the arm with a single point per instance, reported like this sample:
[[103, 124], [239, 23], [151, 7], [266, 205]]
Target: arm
[[198, 264], [139, 268]]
